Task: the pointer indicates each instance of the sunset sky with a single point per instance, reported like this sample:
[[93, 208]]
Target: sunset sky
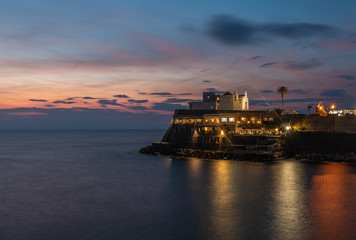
[[129, 64]]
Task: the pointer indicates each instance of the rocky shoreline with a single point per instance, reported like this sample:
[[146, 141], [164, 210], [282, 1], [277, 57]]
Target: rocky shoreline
[[327, 157], [208, 154], [238, 156]]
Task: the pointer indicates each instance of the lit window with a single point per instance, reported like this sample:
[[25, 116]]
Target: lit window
[[223, 119], [231, 119], [218, 98]]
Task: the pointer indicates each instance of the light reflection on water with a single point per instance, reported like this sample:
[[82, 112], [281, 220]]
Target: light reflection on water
[[290, 203], [332, 202], [94, 185]]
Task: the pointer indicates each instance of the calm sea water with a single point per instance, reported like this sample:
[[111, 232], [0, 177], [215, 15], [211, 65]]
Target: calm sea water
[[94, 185]]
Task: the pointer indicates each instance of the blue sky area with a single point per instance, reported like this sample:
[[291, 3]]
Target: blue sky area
[[129, 64]]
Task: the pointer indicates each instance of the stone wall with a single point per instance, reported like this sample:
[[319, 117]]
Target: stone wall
[[330, 123], [319, 142]]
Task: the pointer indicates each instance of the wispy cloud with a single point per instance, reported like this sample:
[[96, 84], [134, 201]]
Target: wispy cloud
[[37, 100], [303, 65], [63, 102], [346, 77], [104, 102], [232, 31], [179, 100], [138, 101], [269, 64], [121, 96], [301, 91]]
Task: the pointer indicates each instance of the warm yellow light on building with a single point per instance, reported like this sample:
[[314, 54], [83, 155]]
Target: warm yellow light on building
[[206, 129], [222, 132], [288, 128], [276, 129], [243, 119], [332, 106]]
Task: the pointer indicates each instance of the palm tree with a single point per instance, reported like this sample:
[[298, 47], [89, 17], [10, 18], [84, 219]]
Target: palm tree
[[282, 90], [310, 107]]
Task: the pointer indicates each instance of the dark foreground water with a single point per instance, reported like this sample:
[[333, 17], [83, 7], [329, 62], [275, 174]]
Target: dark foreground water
[[94, 185]]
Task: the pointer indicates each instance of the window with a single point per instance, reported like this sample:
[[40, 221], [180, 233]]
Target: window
[[231, 119], [223, 119]]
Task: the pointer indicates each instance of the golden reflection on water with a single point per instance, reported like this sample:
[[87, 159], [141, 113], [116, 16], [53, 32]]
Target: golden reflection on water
[[223, 215], [332, 202], [285, 200], [195, 165], [167, 161], [289, 203]]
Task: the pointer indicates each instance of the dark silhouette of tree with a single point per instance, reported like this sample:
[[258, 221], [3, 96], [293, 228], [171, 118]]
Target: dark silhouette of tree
[[282, 90], [310, 107]]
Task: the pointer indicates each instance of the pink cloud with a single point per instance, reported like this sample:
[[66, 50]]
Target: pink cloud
[[26, 113]]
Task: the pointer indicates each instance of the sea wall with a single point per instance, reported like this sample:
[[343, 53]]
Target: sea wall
[[329, 123], [319, 142]]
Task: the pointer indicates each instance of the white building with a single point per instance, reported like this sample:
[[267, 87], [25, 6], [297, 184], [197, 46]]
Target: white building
[[226, 101]]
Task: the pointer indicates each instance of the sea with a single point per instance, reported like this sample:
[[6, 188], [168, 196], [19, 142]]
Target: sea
[[74, 185]]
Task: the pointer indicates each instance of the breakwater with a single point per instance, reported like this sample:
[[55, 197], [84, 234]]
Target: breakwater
[[304, 146], [327, 157], [238, 155], [324, 143]]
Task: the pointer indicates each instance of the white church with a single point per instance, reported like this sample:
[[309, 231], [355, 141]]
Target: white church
[[226, 101]]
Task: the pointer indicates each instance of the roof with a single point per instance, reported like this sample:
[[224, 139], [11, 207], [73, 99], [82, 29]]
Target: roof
[[227, 93], [186, 112]]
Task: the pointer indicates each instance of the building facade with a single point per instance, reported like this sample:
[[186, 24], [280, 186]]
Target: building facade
[[226, 101]]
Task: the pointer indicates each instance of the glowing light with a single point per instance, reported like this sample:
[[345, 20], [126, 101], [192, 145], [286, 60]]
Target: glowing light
[[276, 129], [288, 128], [222, 132], [332, 106]]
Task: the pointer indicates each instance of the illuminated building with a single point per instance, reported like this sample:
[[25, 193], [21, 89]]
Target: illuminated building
[[226, 101]]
